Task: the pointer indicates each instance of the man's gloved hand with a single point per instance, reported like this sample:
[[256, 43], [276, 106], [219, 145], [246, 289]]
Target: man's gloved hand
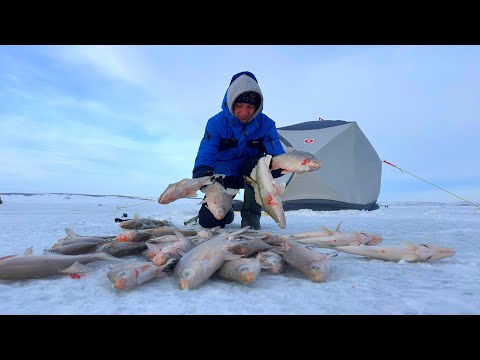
[[201, 171], [249, 164]]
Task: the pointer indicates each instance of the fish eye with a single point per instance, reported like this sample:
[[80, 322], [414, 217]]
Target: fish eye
[[122, 273], [315, 267], [185, 274], [243, 268]]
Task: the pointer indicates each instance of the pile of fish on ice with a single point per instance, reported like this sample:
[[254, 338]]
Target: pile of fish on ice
[[194, 256]]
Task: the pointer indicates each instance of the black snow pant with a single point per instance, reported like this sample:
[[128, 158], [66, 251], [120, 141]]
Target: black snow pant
[[250, 212]]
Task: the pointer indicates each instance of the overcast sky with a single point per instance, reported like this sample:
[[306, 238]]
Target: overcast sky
[[128, 120]]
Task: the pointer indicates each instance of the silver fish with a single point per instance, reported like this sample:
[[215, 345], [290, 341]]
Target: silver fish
[[218, 199], [38, 266], [271, 262], [184, 188], [309, 262], [267, 192], [196, 266], [244, 270], [143, 223], [408, 252], [295, 161], [131, 274]]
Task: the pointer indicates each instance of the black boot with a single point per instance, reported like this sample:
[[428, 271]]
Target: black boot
[[229, 217], [251, 211]]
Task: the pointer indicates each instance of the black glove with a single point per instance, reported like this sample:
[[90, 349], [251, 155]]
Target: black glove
[[249, 164], [201, 171], [252, 162], [277, 172]]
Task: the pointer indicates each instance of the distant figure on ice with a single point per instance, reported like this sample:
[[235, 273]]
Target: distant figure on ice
[[234, 140]]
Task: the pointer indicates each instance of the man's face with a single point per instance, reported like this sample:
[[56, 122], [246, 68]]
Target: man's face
[[243, 111]]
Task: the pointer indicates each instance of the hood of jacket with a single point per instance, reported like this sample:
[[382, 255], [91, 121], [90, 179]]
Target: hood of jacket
[[240, 83]]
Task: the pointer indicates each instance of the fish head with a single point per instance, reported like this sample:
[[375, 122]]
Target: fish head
[[161, 258], [273, 206], [126, 236], [312, 163], [218, 211], [277, 265], [189, 277], [317, 271], [438, 252], [170, 194], [248, 270], [123, 279]]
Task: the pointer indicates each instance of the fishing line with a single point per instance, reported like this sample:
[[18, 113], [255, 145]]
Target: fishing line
[[142, 203], [477, 207]]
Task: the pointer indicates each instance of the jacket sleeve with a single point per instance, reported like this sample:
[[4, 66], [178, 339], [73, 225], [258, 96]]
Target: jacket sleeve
[[273, 146], [271, 141], [207, 152]]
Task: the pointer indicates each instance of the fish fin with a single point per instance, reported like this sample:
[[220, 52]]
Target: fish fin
[[289, 149], [280, 188], [410, 257], [28, 251], [355, 243], [151, 246], [327, 230], [232, 192], [338, 226], [258, 197], [77, 268], [70, 232], [285, 171]]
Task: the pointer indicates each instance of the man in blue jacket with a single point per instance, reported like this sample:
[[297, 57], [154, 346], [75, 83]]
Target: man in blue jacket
[[234, 140]]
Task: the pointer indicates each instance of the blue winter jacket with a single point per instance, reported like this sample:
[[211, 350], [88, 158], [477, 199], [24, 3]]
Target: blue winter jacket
[[227, 143]]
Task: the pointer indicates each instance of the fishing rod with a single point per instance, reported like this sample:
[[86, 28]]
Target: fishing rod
[[428, 182]]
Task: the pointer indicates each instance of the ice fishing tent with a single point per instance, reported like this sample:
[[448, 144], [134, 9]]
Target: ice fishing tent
[[351, 170]]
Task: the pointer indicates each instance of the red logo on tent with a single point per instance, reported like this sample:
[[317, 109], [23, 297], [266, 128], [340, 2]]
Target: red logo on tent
[[308, 141]]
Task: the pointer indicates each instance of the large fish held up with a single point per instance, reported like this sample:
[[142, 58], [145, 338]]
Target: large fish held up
[[218, 199], [184, 188], [267, 192], [295, 161]]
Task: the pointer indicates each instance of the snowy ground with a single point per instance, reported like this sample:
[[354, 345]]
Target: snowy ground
[[355, 285]]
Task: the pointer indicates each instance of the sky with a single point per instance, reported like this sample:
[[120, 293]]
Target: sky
[[128, 120], [355, 285]]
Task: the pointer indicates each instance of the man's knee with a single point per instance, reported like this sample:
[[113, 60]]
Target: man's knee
[[207, 220]]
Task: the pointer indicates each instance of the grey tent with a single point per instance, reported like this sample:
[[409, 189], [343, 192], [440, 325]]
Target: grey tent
[[351, 169]]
